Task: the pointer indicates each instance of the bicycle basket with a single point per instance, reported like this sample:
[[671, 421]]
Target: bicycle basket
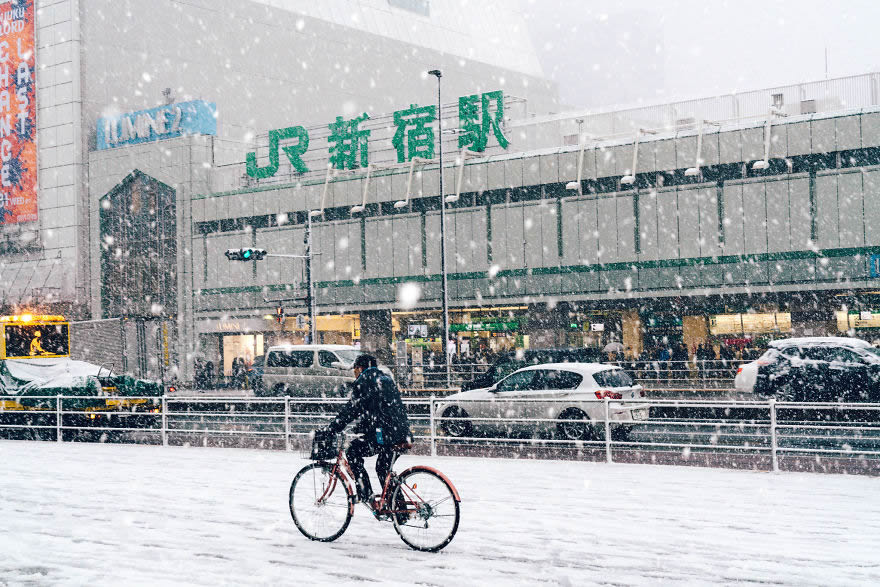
[[325, 445]]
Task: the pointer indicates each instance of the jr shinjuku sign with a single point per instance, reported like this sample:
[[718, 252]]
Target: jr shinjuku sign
[[414, 137]]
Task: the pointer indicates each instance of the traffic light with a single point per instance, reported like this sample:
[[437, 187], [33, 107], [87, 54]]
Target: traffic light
[[279, 315], [245, 254]]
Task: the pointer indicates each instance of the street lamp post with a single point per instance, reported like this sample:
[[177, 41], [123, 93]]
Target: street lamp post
[[444, 289], [310, 293]]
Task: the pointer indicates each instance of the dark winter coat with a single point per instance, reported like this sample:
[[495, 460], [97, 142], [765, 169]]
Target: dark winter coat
[[376, 400]]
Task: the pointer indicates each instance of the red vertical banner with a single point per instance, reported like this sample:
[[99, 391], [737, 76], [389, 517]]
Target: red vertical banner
[[18, 112]]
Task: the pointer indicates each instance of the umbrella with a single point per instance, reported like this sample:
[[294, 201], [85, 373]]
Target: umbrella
[[613, 347]]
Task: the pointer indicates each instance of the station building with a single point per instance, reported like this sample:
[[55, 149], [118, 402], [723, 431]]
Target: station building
[[721, 220], [171, 132]]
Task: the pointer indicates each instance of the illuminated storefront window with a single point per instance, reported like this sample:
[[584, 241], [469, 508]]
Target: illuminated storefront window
[[863, 319], [750, 323]]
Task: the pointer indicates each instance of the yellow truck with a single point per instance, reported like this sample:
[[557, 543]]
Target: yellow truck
[[36, 368]]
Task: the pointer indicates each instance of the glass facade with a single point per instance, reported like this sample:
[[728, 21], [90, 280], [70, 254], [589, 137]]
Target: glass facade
[[139, 249]]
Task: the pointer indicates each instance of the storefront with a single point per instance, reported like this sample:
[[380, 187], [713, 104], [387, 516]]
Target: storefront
[[662, 330], [593, 328], [749, 330], [864, 324], [223, 341], [472, 332]]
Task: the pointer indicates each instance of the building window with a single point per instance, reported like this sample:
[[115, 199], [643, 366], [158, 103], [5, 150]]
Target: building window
[[422, 7]]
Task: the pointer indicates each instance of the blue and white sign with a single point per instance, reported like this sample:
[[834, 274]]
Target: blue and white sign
[[874, 266], [164, 122]]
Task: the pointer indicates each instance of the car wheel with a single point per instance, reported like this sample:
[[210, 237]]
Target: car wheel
[[280, 390], [456, 428], [574, 430]]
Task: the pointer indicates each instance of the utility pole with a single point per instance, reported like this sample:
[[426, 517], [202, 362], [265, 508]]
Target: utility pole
[[252, 254]]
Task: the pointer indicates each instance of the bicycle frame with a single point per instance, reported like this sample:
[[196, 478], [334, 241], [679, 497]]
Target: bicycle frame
[[334, 469], [412, 497]]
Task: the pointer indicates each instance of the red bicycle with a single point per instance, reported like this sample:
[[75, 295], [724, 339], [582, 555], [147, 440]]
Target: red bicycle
[[420, 502]]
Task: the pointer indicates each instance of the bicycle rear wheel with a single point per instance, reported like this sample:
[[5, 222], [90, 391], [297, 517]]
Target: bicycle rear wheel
[[424, 510], [321, 503]]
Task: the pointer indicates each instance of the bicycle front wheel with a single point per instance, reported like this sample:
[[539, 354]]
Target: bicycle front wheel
[[321, 503], [424, 510]]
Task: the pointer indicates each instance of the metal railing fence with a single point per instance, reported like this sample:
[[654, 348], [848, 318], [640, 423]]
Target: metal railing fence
[[706, 373], [758, 434]]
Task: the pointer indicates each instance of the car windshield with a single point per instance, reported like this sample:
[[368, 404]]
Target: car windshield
[[874, 351], [613, 378], [348, 356]]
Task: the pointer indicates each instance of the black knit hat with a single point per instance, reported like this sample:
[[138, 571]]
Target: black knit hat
[[365, 362]]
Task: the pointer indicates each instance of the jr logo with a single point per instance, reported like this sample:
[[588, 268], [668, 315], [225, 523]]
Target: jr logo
[[294, 152]]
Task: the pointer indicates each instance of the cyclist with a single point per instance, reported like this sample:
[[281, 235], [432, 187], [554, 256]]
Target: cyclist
[[383, 425]]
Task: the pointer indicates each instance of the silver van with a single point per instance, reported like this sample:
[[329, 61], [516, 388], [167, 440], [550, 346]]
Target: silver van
[[309, 370]]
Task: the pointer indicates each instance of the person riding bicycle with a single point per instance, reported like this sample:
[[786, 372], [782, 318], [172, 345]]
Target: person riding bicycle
[[383, 425]]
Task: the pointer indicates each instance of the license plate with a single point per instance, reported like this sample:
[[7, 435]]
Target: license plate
[[641, 414]]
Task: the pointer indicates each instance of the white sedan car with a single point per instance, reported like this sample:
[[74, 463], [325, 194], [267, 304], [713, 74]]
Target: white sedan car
[[566, 400]]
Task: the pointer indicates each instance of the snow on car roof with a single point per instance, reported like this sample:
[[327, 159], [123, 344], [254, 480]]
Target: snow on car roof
[[808, 340], [582, 368]]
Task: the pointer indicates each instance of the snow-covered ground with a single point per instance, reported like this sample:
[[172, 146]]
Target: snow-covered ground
[[76, 514]]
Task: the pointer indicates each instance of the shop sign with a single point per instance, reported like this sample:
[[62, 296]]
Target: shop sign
[[422, 342], [874, 266], [164, 122], [597, 327], [663, 322], [417, 330], [508, 326], [234, 326], [480, 117], [18, 113], [862, 319]]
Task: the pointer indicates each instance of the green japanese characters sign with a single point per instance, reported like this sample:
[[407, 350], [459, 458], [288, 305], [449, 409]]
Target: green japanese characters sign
[[480, 118], [348, 144], [477, 120], [412, 126]]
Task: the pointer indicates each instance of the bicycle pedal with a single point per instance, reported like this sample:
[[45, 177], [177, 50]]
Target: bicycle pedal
[[382, 516]]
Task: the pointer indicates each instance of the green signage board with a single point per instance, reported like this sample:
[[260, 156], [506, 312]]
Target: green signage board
[[480, 117], [507, 326]]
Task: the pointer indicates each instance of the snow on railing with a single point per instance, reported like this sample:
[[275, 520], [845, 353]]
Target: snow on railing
[[756, 434]]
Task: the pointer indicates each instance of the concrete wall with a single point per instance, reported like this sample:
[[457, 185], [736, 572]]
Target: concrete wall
[[272, 68]]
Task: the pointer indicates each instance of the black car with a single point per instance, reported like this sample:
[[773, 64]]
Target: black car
[[511, 361], [814, 369]]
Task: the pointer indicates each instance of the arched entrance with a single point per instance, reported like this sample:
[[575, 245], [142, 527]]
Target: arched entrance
[[139, 248]]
